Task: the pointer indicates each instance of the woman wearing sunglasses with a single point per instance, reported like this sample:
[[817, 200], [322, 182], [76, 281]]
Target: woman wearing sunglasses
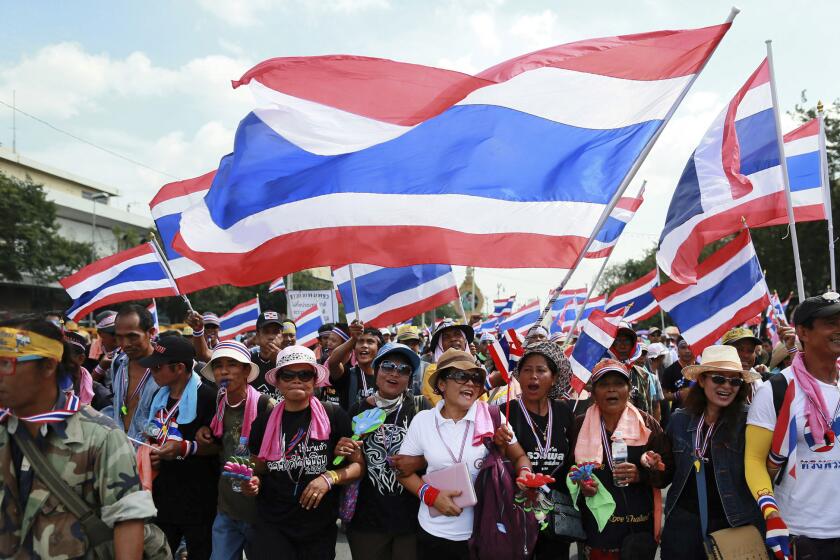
[[293, 450], [384, 524], [707, 436], [451, 433]]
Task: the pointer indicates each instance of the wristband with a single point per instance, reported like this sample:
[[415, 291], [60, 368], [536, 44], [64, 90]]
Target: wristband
[[767, 504], [327, 479], [98, 370], [793, 350], [524, 468], [198, 333], [430, 496], [334, 476]]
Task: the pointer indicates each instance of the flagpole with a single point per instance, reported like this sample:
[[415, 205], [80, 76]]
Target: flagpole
[[589, 294], [355, 294], [629, 177], [163, 260], [800, 286], [659, 283], [826, 195]]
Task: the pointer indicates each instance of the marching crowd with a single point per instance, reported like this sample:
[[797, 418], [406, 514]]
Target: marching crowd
[[415, 444]]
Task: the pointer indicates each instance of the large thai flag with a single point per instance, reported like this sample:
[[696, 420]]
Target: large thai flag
[[730, 290], [735, 171], [639, 294], [167, 205], [390, 295], [343, 154], [307, 326], [522, 319], [596, 338], [240, 319], [131, 274], [606, 240]]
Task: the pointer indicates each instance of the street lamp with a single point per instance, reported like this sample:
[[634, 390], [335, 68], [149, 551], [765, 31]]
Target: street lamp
[[94, 198]]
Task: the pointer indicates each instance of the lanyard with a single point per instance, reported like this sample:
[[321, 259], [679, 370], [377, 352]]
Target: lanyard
[[828, 421], [51, 417], [140, 385], [364, 381], [702, 441], [542, 449], [605, 442], [166, 419], [390, 435], [463, 441]]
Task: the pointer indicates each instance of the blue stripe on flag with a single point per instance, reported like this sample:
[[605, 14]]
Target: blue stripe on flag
[[377, 286], [758, 142], [136, 273], [804, 171]]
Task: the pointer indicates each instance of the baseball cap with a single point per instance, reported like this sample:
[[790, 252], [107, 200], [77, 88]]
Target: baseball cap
[[654, 330], [656, 350], [169, 349], [739, 333], [606, 366], [407, 334], [268, 317], [815, 307], [106, 322]]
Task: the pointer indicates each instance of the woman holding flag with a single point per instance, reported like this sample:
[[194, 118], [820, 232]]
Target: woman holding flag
[[544, 428]]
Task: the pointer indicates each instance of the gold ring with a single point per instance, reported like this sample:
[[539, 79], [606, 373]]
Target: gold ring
[[315, 494]]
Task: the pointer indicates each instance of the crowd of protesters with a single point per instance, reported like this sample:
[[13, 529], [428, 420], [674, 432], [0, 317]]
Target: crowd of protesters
[[413, 442]]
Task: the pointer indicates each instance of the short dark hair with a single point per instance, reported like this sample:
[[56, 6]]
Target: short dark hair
[[375, 333], [147, 323]]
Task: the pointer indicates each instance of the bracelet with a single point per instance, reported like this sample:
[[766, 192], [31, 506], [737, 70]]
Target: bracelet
[[188, 448], [430, 496], [98, 370], [524, 468], [767, 504], [793, 350], [327, 479], [334, 476], [199, 333]]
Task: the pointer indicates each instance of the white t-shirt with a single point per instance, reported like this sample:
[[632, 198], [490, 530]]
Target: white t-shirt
[[423, 439], [808, 503]]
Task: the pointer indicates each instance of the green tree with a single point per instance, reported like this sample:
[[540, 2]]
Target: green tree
[[29, 240]]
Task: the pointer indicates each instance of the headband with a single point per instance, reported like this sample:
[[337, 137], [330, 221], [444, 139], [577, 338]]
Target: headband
[[341, 334], [15, 343], [289, 328]]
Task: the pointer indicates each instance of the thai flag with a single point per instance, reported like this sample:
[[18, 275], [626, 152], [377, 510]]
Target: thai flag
[[565, 309], [604, 243], [783, 444], [506, 351], [308, 324], [277, 286], [343, 154], [240, 319], [152, 307], [167, 205], [597, 303], [639, 293], [523, 319], [736, 171], [730, 290], [503, 307], [772, 329], [592, 346], [390, 295], [131, 274], [490, 324]]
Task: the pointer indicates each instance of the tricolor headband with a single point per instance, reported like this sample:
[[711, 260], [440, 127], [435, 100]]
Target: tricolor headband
[[15, 343], [341, 334]]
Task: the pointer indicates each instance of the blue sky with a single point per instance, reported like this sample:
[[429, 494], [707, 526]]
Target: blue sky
[[151, 80]]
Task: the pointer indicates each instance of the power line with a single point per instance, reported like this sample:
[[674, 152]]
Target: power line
[[88, 142]]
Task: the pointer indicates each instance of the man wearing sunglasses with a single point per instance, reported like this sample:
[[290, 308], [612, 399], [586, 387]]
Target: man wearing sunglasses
[[791, 431]]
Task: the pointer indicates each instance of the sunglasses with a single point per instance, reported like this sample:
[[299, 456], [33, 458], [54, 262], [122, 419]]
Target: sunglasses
[[721, 379], [287, 375], [391, 367], [8, 366], [464, 377]]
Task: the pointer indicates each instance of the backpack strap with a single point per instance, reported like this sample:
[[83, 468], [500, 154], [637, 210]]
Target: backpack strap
[[779, 384], [95, 529]]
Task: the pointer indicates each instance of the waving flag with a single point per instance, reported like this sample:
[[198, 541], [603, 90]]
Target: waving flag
[[730, 290], [565, 309], [240, 319], [595, 339], [618, 219], [597, 303], [736, 171], [639, 294], [523, 319], [490, 324], [152, 307], [343, 154], [391, 295], [277, 286], [504, 306], [131, 274], [166, 207], [307, 326]]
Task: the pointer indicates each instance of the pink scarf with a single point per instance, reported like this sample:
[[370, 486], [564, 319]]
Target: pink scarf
[[252, 397], [483, 423], [85, 386], [319, 429], [589, 446], [813, 398]]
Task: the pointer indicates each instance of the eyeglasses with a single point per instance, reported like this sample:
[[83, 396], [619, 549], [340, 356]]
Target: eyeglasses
[[8, 366], [391, 367], [464, 377], [721, 379], [288, 375]]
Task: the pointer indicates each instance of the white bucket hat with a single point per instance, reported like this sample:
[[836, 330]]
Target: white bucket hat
[[234, 350], [298, 355]]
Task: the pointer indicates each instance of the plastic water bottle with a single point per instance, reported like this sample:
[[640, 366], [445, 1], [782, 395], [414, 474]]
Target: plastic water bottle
[[619, 454]]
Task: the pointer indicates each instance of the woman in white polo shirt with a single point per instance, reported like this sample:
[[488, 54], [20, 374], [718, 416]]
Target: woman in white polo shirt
[[451, 433]]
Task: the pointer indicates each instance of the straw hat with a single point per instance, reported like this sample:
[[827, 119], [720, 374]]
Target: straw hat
[[719, 358]]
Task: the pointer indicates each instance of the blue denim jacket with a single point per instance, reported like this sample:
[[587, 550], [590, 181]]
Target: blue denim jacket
[[727, 450]]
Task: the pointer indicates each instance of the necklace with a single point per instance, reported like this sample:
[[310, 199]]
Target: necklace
[[463, 441], [287, 451], [829, 431], [137, 389]]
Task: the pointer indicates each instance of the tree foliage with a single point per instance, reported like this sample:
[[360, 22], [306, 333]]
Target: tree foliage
[[29, 240]]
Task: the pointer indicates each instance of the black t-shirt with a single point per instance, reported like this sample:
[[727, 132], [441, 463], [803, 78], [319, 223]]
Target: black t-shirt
[[353, 387], [259, 383], [672, 376], [558, 457], [688, 499], [281, 487], [184, 490], [384, 506]]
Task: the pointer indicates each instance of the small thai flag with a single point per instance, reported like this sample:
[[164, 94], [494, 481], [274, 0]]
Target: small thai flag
[[277, 286]]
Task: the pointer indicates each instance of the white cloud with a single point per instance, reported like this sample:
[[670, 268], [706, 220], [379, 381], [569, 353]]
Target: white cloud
[[238, 13], [536, 30], [483, 25], [461, 64]]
